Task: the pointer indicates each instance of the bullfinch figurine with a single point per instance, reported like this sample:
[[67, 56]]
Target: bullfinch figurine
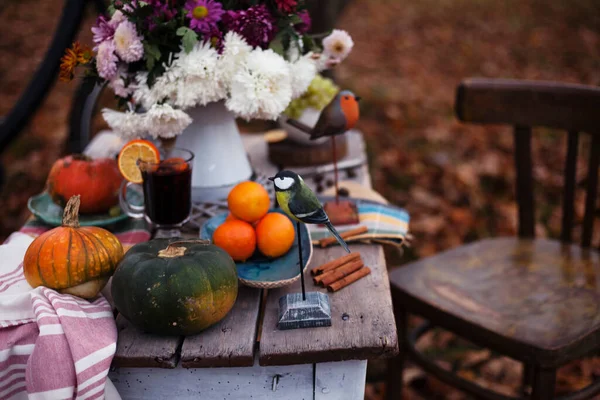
[[339, 116]]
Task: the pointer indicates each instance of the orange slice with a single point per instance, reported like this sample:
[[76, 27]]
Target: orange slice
[[131, 153]]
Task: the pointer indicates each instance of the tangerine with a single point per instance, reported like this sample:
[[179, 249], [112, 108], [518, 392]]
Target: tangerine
[[248, 201], [237, 238], [230, 217], [275, 234]]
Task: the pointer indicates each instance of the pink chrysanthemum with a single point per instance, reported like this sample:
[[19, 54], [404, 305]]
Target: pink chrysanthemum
[[255, 24], [106, 60], [286, 6], [102, 30], [128, 44], [204, 14]]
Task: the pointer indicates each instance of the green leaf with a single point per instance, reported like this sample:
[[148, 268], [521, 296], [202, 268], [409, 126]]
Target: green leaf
[[142, 3], [152, 50], [152, 54], [277, 46], [295, 19], [189, 38]]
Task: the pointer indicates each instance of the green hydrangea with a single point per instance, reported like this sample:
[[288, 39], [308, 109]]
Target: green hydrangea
[[319, 93]]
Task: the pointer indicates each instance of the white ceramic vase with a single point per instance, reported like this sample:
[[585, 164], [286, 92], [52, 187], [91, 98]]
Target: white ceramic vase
[[220, 160]]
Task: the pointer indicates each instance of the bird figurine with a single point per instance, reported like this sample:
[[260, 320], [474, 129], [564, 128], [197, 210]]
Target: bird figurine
[[339, 116], [298, 201]]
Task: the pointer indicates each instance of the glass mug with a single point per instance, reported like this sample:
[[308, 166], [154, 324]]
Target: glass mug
[[167, 187]]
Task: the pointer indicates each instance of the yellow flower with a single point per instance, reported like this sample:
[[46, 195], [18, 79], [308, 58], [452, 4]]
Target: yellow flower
[[76, 55]]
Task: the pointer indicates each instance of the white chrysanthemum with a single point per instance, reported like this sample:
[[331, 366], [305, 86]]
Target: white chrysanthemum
[[294, 52], [163, 89], [302, 72], [338, 45], [129, 125], [235, 51], [117, 84], [164, 121], [198, 77], [262, 88], [128, 44]]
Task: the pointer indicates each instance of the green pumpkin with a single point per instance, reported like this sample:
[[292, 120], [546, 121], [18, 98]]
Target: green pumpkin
[[174, 286]]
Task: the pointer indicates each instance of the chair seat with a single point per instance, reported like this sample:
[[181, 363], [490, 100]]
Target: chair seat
[[538, 292]]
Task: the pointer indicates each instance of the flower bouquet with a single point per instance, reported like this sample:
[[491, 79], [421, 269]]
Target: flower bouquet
[[195, 65]]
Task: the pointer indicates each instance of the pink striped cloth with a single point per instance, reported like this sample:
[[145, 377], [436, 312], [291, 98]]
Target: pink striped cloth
[[53, 346]]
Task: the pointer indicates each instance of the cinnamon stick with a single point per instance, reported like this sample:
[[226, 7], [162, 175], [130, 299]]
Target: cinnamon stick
[[341, 272], [342, 283], [352, 232], [318, 280], [334, 263]]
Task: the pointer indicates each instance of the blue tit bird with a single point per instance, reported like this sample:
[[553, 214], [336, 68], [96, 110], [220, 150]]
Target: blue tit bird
[[299, 202]]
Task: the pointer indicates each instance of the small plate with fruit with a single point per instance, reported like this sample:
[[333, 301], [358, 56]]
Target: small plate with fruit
[[262, 241], [97, 181], [42, 206]]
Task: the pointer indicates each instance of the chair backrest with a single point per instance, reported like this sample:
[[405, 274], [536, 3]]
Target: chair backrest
[[526, 104]]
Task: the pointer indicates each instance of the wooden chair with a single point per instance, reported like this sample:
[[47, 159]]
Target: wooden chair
[[517, 296]]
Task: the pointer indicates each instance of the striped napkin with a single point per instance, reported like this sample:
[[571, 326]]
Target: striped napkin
[[54, 346], [386, 224]]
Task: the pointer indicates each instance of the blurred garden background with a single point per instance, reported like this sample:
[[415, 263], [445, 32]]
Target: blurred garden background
[[456, 181]]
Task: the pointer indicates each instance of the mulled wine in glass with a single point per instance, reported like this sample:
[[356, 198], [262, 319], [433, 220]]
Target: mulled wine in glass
[[167, 187]]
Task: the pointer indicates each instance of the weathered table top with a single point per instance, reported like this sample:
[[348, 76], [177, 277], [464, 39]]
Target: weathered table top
[[363, 325]]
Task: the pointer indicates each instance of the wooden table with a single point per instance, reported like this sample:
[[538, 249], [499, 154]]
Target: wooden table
[[257, 359]]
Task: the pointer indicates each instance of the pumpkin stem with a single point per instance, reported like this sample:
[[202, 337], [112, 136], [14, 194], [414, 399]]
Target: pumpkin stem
[[173, 250], [71, 213], [82, 157]]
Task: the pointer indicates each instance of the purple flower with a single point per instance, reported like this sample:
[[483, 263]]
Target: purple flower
[[255, 24], [102, 30], [204, 14], [304, 26], [286, 6], [216, 39], [163, 11]]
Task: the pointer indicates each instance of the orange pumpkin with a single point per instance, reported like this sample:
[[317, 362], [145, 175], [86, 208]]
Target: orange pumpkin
[[97, 181], [72, 259]]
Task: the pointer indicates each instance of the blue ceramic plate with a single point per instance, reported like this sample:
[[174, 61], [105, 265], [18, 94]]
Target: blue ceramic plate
[[44, 208], [263, 272]]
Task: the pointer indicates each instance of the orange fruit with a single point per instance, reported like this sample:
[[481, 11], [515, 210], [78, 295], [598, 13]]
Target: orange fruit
[[248, 201], [131, 153], [231, 217], [275, 234], [237, 238]]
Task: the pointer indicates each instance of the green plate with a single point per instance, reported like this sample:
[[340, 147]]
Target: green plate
[[44, 208]]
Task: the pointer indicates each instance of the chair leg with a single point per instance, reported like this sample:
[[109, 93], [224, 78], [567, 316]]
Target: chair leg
[[395, 366], [527, 379], [544, 381]]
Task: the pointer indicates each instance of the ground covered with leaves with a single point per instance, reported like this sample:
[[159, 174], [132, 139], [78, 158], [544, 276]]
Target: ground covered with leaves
[[455, 180]]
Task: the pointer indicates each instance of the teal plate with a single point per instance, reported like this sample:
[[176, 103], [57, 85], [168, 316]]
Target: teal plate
[[263, 272], [45, 209]]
